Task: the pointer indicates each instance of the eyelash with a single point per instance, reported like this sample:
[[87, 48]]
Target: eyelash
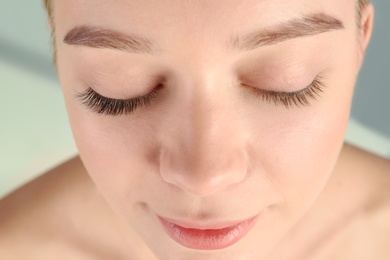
[[289, 99], [114, 107]]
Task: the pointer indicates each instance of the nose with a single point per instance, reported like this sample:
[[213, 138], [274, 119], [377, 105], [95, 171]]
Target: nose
[[204, 152]]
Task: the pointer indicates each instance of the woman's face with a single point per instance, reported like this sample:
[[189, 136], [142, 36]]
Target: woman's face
[[231, 130]]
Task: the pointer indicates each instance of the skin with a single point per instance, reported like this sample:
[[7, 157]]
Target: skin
[[207, 144]]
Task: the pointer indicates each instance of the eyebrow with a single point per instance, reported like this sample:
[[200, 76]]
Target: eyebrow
[[309, 25], [102, 38]]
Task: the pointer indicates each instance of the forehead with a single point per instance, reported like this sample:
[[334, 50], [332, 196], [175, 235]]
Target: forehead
[[194, 14], [195, 23]]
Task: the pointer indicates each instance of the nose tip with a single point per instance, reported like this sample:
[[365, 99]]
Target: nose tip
[[203, 177]]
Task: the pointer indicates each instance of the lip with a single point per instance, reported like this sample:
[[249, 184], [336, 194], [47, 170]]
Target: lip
[[207, 237]]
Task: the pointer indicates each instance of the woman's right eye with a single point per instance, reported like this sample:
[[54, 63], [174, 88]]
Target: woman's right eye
[[114, 107]]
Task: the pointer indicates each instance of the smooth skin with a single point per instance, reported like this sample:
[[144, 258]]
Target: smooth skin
[[206, 149]]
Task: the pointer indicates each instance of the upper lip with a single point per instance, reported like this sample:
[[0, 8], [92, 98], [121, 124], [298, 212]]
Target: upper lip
[[203, 225]]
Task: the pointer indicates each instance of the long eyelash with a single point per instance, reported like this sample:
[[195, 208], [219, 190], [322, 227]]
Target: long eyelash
[[114, 107], [288, 99]]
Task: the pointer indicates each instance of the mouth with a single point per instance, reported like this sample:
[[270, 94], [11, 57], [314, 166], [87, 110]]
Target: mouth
[[207, 237]]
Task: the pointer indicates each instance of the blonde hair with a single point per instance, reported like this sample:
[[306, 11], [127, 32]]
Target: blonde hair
[[49, 6]]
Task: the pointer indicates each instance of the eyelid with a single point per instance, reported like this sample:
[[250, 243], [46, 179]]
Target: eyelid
[[299, 98], [91, 91], [111, 106]]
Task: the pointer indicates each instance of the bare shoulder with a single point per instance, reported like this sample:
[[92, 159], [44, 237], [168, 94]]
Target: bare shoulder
[[371, 168], [374, 173], [366, 158], [32, 213], [371, 237]]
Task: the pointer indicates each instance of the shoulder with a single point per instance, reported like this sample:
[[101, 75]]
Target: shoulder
[[371, 237], [366, 160], [377, 231], [28, 215], [373, 174], [372, 170]]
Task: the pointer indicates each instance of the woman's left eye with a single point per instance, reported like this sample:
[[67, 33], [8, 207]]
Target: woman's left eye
[[289, 99], [114, 107]]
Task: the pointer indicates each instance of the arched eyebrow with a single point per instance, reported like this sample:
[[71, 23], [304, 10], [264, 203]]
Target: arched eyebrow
[[96, 37], [309, 25], [102, 38]]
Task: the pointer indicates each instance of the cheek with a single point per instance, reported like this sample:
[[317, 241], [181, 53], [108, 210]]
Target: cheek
[[297, 149], [303, 145], [116, 153]]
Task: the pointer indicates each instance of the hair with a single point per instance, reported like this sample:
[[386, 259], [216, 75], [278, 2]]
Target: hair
[[49, 7]]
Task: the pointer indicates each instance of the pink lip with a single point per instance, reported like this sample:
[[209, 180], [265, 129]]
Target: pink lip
[[207, 237]]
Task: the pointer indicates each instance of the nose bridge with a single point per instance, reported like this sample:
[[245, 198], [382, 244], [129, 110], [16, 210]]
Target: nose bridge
[[206, 151], [210, 127]]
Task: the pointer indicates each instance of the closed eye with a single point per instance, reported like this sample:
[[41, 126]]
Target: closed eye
[[288, 99], [113, 107]]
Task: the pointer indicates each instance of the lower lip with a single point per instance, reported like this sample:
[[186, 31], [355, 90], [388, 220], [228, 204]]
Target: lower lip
[[210, 239]]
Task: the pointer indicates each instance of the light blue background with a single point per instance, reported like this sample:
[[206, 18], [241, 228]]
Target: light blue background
[[371, 104]]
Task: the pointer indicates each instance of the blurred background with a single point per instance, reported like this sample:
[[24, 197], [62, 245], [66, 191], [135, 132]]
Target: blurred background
[[34, 131]]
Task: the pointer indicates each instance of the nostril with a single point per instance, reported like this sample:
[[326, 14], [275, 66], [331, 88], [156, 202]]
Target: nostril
[[200, 188], [202, 177]]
